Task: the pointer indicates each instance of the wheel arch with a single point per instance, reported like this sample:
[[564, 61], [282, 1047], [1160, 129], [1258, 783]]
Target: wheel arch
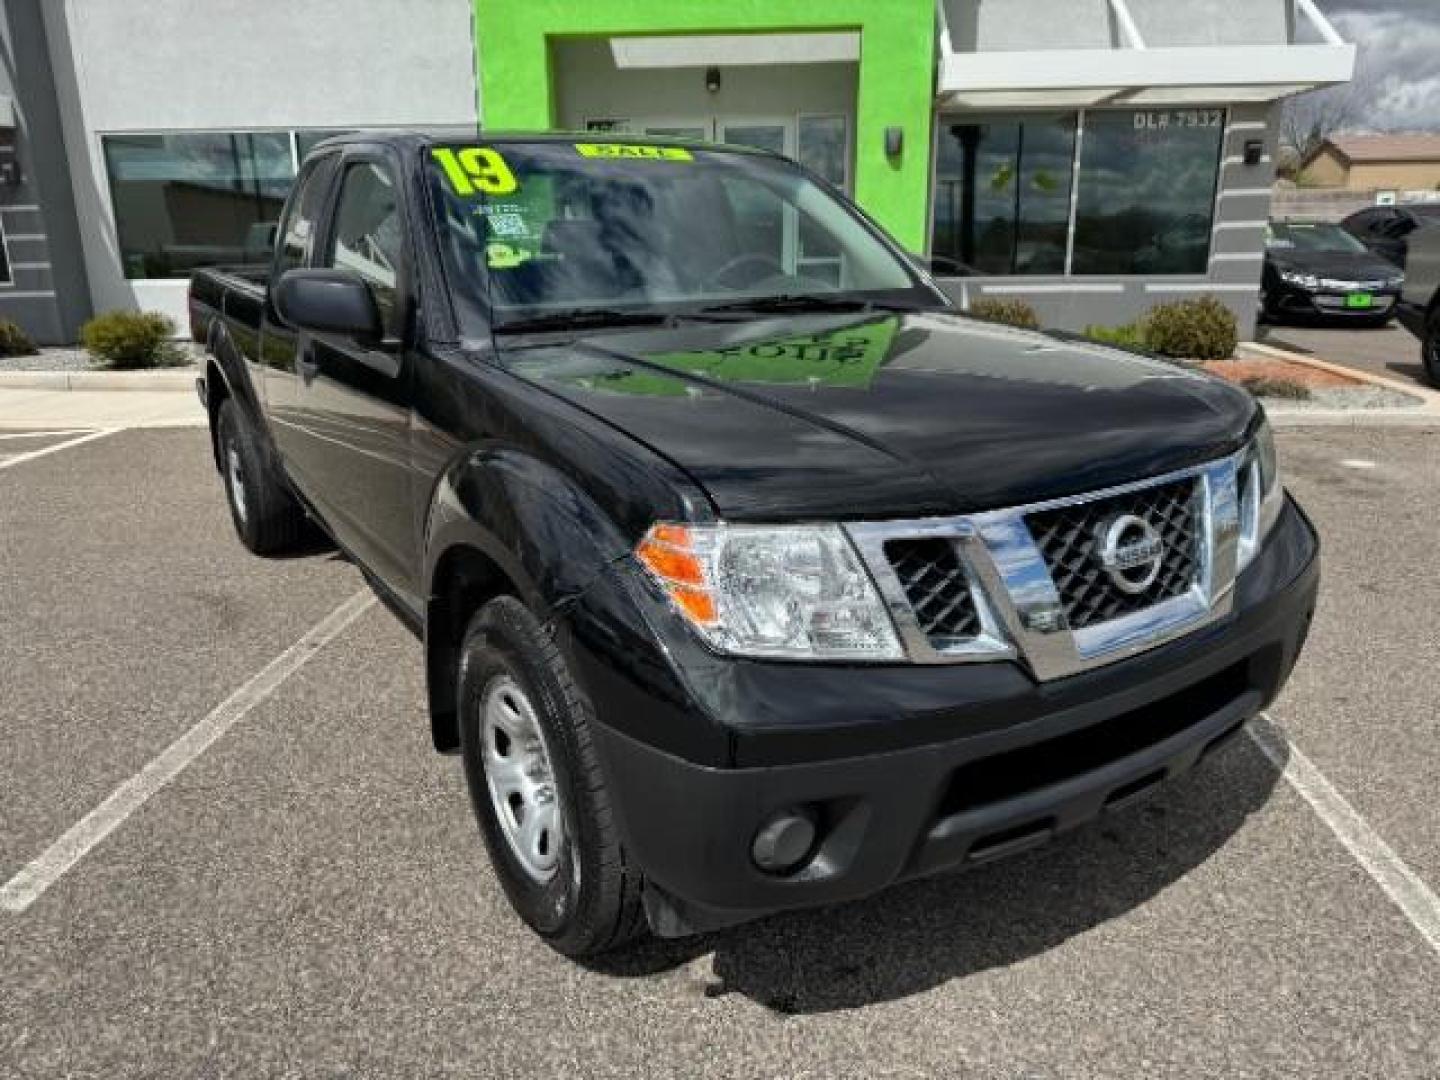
[[502, 523]]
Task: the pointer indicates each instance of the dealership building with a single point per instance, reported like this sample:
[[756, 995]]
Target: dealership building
[[1091, 157]]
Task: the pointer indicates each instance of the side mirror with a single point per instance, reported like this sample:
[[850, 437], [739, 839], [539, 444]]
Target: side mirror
[[328, 302]]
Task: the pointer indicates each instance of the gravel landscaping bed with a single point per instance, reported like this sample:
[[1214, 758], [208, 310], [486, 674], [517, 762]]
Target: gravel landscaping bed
[[1350, 397], [77, 359]]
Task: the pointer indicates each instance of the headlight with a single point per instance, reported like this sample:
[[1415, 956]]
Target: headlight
[[1261, 494], [1305, 281], [786, 591]]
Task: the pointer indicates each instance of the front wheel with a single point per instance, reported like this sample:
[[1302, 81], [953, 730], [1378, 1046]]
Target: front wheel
[[1430, 349], [537, 788]]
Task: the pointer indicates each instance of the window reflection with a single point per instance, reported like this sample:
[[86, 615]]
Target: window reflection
[[1002, 194], [367, 238], [1147, 191], [191, 199], [1144, 193]]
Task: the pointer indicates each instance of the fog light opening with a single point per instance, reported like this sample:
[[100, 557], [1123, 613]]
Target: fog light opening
[[784, 841]]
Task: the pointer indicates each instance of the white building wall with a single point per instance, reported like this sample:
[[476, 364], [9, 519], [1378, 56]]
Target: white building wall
[[176, 65]]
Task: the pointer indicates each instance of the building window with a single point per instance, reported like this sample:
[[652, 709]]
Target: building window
[[1002, 194], [184, 200], [5, 276], [305, 141], [1143, 197], [1147, 191]]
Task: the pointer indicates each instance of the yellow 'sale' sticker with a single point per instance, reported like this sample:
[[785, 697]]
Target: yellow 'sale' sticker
[[476, 168], [631, 150]]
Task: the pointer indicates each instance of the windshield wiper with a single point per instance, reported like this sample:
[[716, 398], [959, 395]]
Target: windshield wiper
[[581, 319], [800, 302], [789, 302]]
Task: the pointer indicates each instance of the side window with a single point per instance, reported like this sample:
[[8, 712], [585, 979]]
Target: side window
[[297, 231], [368, 238]]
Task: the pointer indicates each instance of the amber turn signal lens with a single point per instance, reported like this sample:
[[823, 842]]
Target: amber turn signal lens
[[699, 606], [672, 563], [667, 552]]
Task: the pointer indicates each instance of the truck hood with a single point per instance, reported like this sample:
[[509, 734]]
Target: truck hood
[[869, 416]]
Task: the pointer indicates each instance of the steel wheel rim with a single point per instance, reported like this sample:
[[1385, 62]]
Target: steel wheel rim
[[520, 779], [235, 473]]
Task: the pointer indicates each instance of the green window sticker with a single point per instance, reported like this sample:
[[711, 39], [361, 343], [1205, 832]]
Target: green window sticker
[[632, 150], [476, 168]]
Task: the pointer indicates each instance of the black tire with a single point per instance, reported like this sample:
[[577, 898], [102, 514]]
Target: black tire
[[591, 903], [1430, 349], [267, 518]]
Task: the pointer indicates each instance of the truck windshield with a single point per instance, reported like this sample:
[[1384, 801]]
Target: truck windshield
[[545, 231]]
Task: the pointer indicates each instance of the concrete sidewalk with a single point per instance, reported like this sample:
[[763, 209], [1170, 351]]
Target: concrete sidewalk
[[182, 378], [72, 409]]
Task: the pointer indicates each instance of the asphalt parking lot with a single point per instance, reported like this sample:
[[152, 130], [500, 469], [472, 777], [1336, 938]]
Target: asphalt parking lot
[[308, 896], [1390, 351]]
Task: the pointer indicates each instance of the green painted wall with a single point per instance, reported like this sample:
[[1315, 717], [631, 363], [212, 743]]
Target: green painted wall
[[896, 83]]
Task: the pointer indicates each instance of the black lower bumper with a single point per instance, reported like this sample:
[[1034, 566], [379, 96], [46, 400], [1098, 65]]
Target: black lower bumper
[[1078, 748], [1291, 301]]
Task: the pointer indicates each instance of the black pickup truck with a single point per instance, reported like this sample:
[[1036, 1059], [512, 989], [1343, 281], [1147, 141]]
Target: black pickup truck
[[751, 574]]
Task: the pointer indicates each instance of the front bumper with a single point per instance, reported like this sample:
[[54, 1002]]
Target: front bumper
[[1298, 302], [1005, 762]]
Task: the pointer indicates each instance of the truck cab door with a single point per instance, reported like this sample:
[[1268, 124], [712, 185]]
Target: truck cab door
[[282, 348], [354, 397]]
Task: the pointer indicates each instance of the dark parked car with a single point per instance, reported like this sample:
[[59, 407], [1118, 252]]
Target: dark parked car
[[741, 588], [1316, 270], [1420, 305], [1389, 230]]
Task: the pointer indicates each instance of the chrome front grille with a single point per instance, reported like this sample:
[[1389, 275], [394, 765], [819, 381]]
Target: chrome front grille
[[1052, 584], [1070, 536], [937, 588]]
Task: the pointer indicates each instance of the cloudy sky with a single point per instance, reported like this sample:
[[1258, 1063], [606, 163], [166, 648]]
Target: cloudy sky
[[1398, 74]]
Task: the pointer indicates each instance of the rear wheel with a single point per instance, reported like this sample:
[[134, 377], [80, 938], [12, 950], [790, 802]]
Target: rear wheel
[[267, 518], [537, 789]]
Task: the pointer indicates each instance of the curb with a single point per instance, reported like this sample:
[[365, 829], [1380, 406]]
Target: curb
[[1424, 393], [1283, 419], [181, 379]]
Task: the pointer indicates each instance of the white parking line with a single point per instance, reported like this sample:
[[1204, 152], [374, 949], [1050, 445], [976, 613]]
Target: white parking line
[[1401, 884], [1357, 463], [43, 434], [31, 455], [25, 888]]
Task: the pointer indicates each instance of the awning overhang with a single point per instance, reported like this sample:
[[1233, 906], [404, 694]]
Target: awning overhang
[[1164, 76]]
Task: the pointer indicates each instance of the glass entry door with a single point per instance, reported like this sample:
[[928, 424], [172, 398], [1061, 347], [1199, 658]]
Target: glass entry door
[[820, 142]]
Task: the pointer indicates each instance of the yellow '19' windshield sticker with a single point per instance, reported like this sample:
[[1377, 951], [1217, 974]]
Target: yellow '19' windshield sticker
[[476, 168], [632, 150]]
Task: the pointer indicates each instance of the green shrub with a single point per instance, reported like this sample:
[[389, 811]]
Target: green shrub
[[132, 339], [1273, 387], [1010, 312], [1129, 335], [14, 341], [1202, 329]]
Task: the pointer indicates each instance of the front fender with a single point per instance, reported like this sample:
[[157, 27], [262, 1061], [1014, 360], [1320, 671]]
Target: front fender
[[530, 530], [545, 534]]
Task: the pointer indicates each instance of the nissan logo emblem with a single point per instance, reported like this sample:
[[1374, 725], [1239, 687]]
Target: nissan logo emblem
[[1131, 552]]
